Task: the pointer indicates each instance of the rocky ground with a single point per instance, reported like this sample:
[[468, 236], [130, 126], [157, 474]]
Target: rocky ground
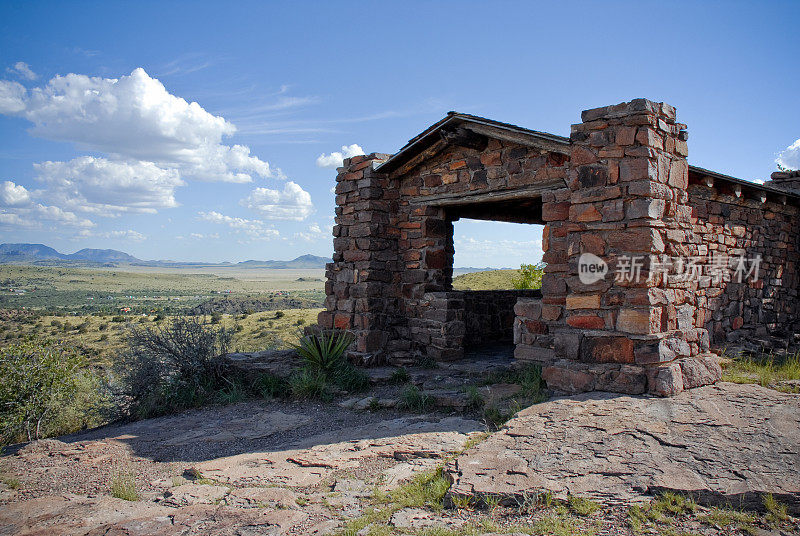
[[577, 465]]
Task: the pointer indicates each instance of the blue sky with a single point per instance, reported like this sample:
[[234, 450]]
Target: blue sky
[[102, 144]]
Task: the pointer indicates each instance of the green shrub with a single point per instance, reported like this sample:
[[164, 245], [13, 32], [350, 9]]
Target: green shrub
[[415, 400], [39, 381], [279, 314], [118, 318], [400, 376], [530, 276], [310, 384], [172, 366], [350, 378], [268, 385], [324, 351]]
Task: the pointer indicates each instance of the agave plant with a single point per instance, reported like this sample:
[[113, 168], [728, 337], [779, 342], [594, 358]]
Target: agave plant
[[324, 351]]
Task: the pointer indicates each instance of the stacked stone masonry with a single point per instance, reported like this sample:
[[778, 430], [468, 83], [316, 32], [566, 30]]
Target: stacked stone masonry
[[619, 188]]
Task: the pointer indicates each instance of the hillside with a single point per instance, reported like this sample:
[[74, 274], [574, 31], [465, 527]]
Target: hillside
[[485, 280]]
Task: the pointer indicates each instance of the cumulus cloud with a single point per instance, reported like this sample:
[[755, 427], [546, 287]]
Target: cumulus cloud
[[12, 97], [291, 203], [23, 70], [12, 194], [314, 232], [127, 234], [17, 209], [253, 228], [790, 157], [108, 188], [133, 118], [335, 159]]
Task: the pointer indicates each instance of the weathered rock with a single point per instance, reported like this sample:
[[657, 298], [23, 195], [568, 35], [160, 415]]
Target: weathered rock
[[419, 518], [724, 444], [191, 494]]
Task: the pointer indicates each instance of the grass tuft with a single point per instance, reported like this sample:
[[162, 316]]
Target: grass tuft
[[415, 400], [123, 486], [582, 506]]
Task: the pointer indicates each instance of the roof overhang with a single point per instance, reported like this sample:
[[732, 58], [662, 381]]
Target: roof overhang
[[441, 134]]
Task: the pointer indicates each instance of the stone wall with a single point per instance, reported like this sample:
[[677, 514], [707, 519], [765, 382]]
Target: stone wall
[[751, 314], [426, 234], [489, 315], [618, 189], [626, 197]]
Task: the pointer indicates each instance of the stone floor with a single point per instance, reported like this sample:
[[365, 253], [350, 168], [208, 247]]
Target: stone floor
[[724, 444]]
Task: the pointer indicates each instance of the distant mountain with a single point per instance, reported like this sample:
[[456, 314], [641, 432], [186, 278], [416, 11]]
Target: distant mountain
[[28, 253], [41, 254], [102, 255], [304, 261]]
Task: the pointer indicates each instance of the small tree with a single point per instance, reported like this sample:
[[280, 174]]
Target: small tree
[[530, 277], [35, 380]]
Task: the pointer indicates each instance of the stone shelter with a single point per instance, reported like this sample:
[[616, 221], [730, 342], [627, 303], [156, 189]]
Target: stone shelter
[[641, 279]]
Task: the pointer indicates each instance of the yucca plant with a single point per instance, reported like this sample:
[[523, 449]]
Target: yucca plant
[[324, 351]]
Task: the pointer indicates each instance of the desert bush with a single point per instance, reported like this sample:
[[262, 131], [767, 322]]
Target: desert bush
[[324, 363], [172, 366], [530, 277], [324, 350], [46, 389]]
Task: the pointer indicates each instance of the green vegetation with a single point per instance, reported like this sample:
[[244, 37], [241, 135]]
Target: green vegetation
[[172, 367], [486, 280], [324, 351], [325, 367], [768, 370], [44, 389], [411, 398], [582, 506], [58, 290], [123, 486], [529, 276]]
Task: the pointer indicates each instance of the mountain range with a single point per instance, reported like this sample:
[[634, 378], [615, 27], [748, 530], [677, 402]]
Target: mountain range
[[41, 254]]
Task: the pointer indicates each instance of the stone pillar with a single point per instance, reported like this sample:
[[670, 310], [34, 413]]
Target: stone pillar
[[626, 205], [365, 256]]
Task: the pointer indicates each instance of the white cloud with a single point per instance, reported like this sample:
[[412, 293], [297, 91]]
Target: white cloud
[[134, 118], [23, 70], [314, 232], [252, 228], [335, 159], [12, 194], [128, 234], [18, 209], [790, 157], [34, 215], [292, 203], [201, 236], [108, 188], [12, 97]]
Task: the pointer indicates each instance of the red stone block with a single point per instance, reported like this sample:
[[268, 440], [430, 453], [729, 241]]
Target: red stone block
[[341, 321], [555, 211], [586, 322]]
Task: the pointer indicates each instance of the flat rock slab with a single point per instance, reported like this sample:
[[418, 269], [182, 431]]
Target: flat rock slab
[[724, 443]]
